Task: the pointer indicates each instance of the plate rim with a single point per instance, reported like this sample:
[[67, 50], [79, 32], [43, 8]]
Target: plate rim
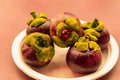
[[36, 75]]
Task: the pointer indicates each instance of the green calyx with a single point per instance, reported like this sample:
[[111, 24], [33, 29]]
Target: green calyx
[[98, 25], [66, 32], [41, 43], [85, 44], [46, 54], [92, 34], [60, 27], [82, 44], [43, 15], [37, 20], [95, 24], [71, 40], [92, 29], [93, 45], [73, 22], [38, 38]]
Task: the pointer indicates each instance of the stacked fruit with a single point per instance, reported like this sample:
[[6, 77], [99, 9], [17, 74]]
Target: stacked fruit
[[85, 41]]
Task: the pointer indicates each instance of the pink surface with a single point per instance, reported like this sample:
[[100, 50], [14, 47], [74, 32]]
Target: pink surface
[[14, 14]]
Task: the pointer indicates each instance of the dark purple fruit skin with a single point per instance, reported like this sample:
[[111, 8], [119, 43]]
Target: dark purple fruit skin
[[29, 56], [44, 28], [83, 62], [104, 39]]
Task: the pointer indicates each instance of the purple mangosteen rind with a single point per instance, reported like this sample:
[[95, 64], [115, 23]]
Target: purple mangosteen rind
[[83, 62], [104, 37]]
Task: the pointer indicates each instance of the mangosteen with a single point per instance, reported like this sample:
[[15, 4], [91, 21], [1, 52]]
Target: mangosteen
[[65, 29], [84, 56], [37, 49], [39, 23]]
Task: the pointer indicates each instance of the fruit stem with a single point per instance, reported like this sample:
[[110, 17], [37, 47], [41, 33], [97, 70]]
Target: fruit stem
[[37, 20], [34, 15], [95, 23]]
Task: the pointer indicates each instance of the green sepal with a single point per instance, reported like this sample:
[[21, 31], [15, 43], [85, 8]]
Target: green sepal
[[59, 42], [92, 34], [46, 54], [82, 44], [29, 21], [42, 15], [72, 38], [60, 27], [37, 22], [85, 44], [87, 25], [83, 39], [38, 40], [73, 22], [35, 45], [93, 45], [91, 37], [97, 25]]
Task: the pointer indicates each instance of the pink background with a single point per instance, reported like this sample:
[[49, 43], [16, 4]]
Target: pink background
[[14, 14]]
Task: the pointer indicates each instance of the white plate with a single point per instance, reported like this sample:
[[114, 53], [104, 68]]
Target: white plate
[[58, 69]]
